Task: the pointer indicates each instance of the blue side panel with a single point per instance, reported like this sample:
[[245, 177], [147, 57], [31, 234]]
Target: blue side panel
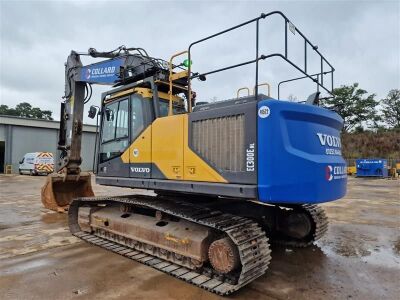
[[372, 167], [299, 153], [103, 72]]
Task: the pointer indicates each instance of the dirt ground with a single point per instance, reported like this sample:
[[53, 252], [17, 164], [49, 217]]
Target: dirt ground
[[359, 258]]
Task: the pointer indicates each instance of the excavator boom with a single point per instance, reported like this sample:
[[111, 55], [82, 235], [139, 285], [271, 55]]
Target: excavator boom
[[69, 182]]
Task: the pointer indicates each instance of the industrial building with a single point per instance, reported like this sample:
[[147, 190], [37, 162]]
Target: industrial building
[[21, 135]]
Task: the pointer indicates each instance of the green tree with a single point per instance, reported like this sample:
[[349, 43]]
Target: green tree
[[353, 105], [5, 110], [25, 110], [391, 109]]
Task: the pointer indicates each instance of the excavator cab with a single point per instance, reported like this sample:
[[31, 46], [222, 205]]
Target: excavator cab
[[132, 99]]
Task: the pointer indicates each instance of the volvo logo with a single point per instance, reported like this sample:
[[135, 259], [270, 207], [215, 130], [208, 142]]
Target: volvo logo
[[140, 170], [330, 140]]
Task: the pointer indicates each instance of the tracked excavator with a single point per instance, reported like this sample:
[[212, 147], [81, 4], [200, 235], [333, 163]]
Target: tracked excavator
[[230, 177]]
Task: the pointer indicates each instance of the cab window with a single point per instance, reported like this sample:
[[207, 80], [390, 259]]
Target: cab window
[[137, 121], [115, 130], [122, 120], [109, 122], [164, 107]]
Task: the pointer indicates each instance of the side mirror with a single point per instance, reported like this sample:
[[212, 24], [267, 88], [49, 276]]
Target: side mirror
[[92, 112], [21, 161]]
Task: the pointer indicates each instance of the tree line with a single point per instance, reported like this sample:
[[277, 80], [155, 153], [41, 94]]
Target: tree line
[[26, 110], [361, 111], [358, 109]]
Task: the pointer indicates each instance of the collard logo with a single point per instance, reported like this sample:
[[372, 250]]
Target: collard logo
[[106, 72], [335, 172], [328, 173], [100, 72]]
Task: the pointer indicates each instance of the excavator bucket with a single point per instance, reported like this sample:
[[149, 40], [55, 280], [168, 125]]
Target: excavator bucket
[[59, 190]]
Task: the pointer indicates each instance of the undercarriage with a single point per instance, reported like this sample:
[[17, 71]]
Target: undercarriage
[[219, 245]]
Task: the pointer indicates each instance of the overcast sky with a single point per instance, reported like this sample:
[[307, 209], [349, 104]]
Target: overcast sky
[[361, 40]]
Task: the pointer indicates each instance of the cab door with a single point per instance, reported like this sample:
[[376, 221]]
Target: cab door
[[114, 139], [141, 118]]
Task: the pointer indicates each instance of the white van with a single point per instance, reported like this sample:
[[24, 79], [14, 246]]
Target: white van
[[36, 163]]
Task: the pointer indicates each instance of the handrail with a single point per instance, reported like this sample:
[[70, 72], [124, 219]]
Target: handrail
[[263, 84], [242, 89], [258, 57], [171, 67], [299, 78]]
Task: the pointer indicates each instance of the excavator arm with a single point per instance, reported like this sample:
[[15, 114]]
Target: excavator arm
[[121, 66]]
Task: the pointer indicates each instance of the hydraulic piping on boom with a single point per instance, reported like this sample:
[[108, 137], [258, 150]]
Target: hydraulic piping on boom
[[122, 67]]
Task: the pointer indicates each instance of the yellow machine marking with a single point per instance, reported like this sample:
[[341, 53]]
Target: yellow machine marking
[[174, 85], [140, 150], [145, 92], [179, 75], [171, 238], [99, 221], [166, 144]]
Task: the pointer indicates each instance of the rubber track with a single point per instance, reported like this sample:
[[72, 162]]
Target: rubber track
[[321, 227], [252, 243]]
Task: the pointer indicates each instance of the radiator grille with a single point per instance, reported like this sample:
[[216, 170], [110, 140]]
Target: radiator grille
[[221, 141]]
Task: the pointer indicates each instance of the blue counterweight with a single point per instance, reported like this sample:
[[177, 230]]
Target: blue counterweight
[[299, 153]]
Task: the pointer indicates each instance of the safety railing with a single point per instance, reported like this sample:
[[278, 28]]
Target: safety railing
[[242, 89], [263, 84], [245, 88], [174, 76], [317, 75], [288, 25]]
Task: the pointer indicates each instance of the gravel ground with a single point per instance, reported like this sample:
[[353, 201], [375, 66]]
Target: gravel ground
[[359, 258]]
